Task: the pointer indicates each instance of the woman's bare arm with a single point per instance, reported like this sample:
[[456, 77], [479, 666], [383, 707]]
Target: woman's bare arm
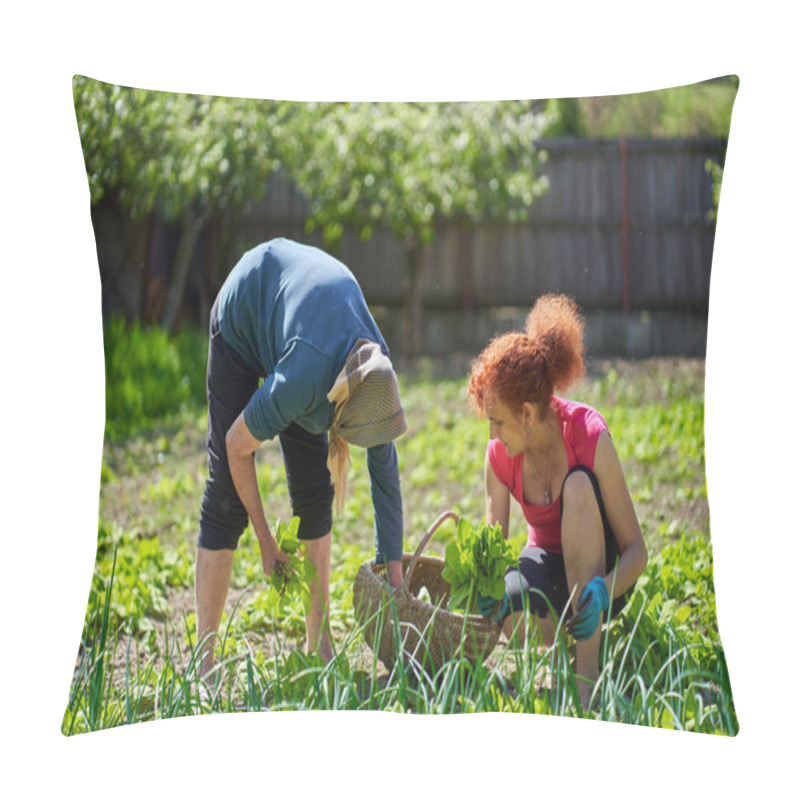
[[241, 445], [498, 498]]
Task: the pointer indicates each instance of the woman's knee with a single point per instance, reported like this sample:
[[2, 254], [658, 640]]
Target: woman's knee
[[581, 512], [223, 518], [516, 589], [582, 527], [522, 587], [578, 492]]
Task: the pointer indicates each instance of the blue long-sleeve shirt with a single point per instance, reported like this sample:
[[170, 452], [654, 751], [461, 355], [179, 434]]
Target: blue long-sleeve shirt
[[293, 313]]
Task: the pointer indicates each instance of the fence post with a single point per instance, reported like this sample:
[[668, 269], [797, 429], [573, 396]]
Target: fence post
[[626, 267]]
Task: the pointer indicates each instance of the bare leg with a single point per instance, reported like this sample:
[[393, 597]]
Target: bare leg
[[583, 544], [212, 579], [318, 551], [514, 626]]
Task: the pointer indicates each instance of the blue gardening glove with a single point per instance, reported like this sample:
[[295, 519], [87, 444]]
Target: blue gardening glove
[[594, 601], [486, 605]]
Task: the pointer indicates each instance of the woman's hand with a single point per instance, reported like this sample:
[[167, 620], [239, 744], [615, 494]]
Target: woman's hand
[[271, 555], [488, 607], [594, 601], [394, 572]]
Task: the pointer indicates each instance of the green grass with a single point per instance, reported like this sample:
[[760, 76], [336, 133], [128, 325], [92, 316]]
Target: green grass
[[663, 663], [661, 668], [150, 375]]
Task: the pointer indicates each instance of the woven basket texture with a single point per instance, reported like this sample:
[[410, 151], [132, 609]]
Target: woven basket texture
[[429, 634]]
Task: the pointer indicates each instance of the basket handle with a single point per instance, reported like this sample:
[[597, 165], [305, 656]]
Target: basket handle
[[423, 544]]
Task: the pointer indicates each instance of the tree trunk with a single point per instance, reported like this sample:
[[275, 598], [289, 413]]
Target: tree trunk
[[413, 302], [190, 231], [146, 282]]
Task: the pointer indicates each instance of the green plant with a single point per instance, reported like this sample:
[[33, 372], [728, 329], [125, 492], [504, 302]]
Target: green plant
[[150, 374], [141, 572], [292, 577], [661, 660], [476, 563], [86, 708], [287, 593], [715, 170], [674, 691], [702, 109]]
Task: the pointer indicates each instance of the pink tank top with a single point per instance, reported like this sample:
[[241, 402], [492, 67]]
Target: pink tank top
[[580, 426]]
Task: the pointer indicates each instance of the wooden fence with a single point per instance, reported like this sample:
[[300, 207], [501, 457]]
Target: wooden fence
[[623, 227]]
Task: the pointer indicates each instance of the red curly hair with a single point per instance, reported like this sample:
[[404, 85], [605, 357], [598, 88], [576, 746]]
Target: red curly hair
[[530, 366]]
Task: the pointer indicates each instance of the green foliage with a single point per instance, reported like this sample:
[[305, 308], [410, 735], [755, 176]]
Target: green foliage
[[649, 432], [284, 598], [566, 118], [715, 171], [292, 578], [674, 692], [442, 452], [678, 112], [662, 663], [476, 563], [674, 603], [151, 374], [358, 164], [170, 151], [144, 573], [663, 447], [404, 165], [87, 709]]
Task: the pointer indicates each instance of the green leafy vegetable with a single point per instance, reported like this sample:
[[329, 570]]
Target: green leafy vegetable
[[290, 579], [475, 564]]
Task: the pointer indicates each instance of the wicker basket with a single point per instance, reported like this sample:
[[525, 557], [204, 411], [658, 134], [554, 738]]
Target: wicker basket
[[429, 633]]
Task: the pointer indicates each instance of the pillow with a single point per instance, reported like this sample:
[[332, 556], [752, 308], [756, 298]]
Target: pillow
[[613, 203]]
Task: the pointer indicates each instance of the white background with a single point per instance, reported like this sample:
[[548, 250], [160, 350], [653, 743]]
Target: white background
[[53, 391]]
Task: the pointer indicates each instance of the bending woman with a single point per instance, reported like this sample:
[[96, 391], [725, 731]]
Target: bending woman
[[556, 459]]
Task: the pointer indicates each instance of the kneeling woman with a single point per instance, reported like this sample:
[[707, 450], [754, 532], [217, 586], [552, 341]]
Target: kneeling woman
[[556, 459]]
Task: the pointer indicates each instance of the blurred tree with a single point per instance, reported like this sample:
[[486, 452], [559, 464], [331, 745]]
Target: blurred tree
[[402, 166], [566, 118], [183, 156], [701, 109], [406, 166]]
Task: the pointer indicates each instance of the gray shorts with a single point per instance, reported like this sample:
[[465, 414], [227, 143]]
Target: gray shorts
[[230, 384]]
